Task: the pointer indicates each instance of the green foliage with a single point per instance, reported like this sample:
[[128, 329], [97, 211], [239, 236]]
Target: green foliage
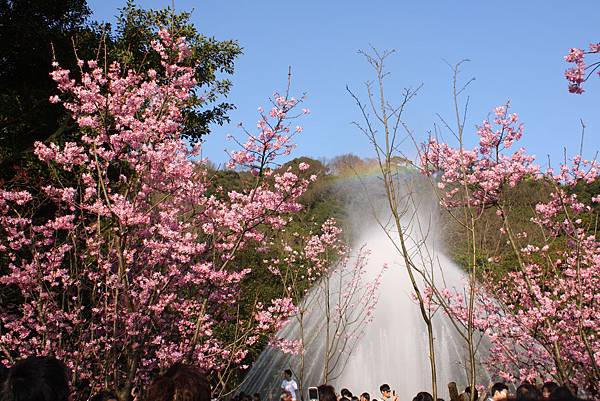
[[489, 241], [130, 43], [494, 255], [33, 33]]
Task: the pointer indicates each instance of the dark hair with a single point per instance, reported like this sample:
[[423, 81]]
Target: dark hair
[[423, 396], [562, 393], [326, 393], [475, 393], [366, 396], [180, 383], [549, 387], [104, 396], [384, 387], [346, 393], [527, 392], [498, 388], [288, 372], [37, 378]]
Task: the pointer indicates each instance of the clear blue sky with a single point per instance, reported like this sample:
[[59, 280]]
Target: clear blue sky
[[516, 49]]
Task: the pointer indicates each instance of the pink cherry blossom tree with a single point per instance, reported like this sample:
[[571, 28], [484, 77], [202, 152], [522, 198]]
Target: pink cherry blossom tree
[[341, 299], [133, 264], [542, 318]]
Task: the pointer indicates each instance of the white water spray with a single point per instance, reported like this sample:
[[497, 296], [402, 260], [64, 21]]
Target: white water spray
[[394, 347]]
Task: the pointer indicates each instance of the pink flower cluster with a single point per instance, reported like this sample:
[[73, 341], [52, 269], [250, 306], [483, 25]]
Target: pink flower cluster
[[340, 287], [272, 140], [333, 279], [485, 170], [576, 75]]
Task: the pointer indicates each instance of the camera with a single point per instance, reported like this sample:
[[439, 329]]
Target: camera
[[313, 394]]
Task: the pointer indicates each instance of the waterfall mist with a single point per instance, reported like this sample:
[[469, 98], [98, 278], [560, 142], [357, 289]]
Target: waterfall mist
[[394, 347]]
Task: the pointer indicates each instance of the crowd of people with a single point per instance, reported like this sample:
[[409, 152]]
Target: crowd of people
[[46, 379], [549, 391]]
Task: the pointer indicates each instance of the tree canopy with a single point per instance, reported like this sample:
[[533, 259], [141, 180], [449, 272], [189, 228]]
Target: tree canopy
[[34, 33]]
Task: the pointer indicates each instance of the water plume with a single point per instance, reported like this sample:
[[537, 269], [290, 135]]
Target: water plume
[[394, 347]]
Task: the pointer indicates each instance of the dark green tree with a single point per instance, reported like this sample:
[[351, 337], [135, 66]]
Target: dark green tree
[[35, 32], [32, 32]]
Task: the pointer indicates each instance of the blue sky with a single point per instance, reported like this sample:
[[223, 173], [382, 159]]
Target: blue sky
[[516, 50]]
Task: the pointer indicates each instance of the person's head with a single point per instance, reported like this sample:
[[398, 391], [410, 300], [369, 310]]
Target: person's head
[[287, 374], [562, 393], [256, 397], [527, 392], [180, 383], [385, 390], [286, 396], [423, 396], [468, 393], [346, 393], [326, 393], [105, 396], [37, 378], [365, 397], [499, 391], [547, 389]]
